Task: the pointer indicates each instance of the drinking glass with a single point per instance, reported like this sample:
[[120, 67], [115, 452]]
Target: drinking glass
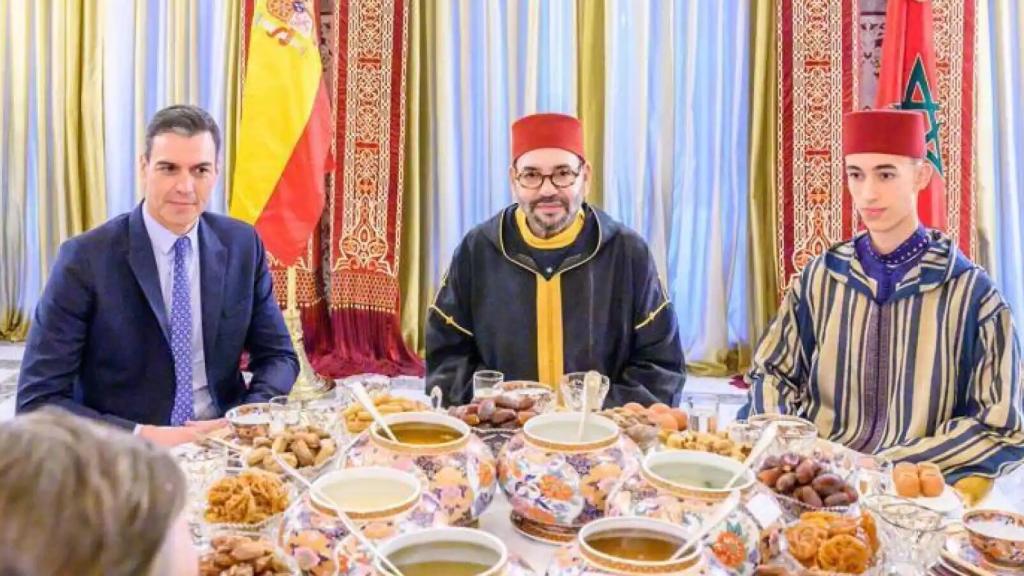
[[703, 412], [572, 391], [485, 382], [284, 412]]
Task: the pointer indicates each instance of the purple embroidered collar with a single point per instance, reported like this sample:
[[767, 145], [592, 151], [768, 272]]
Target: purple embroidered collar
[[910, 249]]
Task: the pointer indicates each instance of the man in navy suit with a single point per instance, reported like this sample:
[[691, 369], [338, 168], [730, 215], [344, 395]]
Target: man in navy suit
[[143, 320]]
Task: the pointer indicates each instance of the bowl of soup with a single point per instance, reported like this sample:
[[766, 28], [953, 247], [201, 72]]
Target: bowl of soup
[[384, 502], [684, 486], [557, 481], [458, 467], [451, 552], [626, 546]]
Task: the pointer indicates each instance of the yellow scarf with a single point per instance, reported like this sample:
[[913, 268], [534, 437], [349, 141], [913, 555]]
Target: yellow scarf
[[560, 240], [550, 355]]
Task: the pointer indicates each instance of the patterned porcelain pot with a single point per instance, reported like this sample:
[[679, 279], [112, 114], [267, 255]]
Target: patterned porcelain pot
[[682, 487], [435, 551], [384, 502], [555, 482], [586, 557], [461, 474]]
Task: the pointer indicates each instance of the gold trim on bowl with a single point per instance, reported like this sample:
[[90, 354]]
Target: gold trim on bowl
[[449, 534], [547, 533], [561, 446], [393, 510], [606, 562], [685, 491]]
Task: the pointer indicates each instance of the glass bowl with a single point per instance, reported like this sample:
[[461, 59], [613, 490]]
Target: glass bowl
[[912, 536], [250, 420]]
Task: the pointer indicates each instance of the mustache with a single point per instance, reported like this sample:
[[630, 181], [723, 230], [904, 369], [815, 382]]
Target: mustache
[[562, 201]]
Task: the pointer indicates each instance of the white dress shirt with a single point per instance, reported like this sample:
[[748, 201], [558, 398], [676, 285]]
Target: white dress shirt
[[162, 241]]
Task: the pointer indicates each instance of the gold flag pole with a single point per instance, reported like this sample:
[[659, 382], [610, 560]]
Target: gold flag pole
[[309, 384]]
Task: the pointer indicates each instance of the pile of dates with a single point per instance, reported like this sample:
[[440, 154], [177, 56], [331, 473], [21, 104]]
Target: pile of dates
[[506, 411], [806, 479]]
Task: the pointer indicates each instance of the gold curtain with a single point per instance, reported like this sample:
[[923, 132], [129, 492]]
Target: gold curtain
[[763, 217], [232, 91], [51, 90], [590, 79], [60, 153], [420, 188], [984, 168]]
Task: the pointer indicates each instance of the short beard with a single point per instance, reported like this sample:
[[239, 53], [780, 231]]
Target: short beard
[[549, 230]]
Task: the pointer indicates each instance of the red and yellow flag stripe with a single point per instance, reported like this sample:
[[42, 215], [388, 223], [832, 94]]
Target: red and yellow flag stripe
[[284, 137]]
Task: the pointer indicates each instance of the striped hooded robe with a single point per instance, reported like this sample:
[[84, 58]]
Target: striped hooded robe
[[932, 374]]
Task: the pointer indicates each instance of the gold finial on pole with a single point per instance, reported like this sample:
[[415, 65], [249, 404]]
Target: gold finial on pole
[[309, 384]]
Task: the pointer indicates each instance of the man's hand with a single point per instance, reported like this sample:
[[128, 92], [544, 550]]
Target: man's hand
[[206, 426], [170, 436]]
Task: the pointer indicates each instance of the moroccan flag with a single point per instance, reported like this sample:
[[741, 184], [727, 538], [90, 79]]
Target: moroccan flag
[[284, 140], [907, 80]]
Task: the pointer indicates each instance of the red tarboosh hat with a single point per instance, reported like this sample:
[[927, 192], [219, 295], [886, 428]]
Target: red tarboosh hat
[[898, 132], [547, 131]]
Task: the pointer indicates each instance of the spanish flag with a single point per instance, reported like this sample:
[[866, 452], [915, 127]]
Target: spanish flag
[[284, 139]]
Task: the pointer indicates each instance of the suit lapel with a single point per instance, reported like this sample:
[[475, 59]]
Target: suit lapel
[[143, 265], [212, 262]]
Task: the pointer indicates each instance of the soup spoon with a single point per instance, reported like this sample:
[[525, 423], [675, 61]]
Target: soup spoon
[[591, 384], [360, 393], [721, 513], [766, 440], [349, 524]]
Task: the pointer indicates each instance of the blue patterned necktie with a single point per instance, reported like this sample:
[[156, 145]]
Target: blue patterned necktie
[[181, 336]]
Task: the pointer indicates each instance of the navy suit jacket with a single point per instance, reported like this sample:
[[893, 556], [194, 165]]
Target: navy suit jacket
[[99, 341]]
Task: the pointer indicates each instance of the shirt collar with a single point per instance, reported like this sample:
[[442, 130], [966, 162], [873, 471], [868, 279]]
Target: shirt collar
[[908, 251], [163, 239], [940, 262]]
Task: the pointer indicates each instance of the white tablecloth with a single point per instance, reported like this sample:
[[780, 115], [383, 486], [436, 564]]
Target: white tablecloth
[[496, 521]]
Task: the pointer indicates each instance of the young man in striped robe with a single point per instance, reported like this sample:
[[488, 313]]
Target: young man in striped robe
[[894, 342]]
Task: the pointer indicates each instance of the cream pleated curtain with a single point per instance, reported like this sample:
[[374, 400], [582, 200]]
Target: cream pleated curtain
[[51, 155], [675, 121], [158, 53], [999, 158], [79, 79]]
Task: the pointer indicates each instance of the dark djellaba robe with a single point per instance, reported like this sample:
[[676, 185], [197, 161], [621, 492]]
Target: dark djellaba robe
[[536, 314]]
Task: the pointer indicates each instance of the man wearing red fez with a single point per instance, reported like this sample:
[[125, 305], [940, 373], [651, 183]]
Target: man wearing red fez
[[894, 342], [551, 285]]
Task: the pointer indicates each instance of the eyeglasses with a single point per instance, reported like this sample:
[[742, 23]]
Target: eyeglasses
[[561, 177]]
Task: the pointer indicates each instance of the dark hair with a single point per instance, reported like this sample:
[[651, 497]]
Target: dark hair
[[183, 119]]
